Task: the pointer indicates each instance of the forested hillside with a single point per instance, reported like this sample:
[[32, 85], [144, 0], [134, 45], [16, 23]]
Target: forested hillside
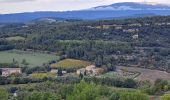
[[141, 42]]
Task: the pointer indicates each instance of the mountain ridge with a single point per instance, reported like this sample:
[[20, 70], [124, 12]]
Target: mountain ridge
[[116, 10], [132, 6]]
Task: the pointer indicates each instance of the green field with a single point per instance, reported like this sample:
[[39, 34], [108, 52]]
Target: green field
[[71, 63], [32, 58], [15, 38]]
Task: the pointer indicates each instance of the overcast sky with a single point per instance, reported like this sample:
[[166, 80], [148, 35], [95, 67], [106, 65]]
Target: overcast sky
[[16, 6]]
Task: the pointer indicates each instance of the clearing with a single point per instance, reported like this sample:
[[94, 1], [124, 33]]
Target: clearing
[[15, 38], [32, 58]]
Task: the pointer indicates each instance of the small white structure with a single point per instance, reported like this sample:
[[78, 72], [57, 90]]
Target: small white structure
[[81, 71], [54, 71], [64, 72], [8, 71], [135, 36]]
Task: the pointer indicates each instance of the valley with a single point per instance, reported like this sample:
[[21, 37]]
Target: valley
[[71, 59]]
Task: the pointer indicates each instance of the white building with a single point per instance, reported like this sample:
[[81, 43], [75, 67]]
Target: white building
[[8, 71]]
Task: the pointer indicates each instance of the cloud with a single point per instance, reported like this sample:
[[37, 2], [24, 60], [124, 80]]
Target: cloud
[[11, 1], [17, 6]]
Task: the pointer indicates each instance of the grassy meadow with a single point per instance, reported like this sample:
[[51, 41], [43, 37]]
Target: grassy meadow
[[42, 75], [15, 38], [32, 58], [70, 63]]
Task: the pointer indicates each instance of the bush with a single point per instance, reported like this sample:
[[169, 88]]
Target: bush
[[3, 94], [44, 96], [84, 91], [133, 96], [114, 96], [165, 97]]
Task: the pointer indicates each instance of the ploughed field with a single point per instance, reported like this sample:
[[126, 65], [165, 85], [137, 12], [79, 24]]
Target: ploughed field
[[147, 74], [32, 58]]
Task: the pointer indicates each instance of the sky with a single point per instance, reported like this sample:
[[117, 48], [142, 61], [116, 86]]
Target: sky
[[17, 6]]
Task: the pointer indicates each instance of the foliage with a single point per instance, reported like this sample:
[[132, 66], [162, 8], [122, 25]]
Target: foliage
[[3, 94], [159, 87], [43, 96], [42, 75], [165, 97], [133, 96], [84, 91]]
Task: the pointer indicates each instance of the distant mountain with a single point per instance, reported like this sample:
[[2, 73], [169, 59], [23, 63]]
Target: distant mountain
[[117, 10], [133, 6]]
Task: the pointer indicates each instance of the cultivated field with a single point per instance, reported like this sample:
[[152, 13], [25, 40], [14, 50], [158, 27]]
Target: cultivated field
[[121, 74], [32, 58], [147, 74], [42, 75], [71, 63], [15, 38]]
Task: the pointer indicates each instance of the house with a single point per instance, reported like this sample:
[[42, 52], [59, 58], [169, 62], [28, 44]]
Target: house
[[81, 71], [90, 70], [54, 71], [8, 71]]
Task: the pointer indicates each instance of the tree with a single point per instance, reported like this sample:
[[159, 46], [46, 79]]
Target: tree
[[24, 62], [98, 61], [84, 91], [161, 85], [114, 96], [130, 83], [0, 71], [60, 73], [165, 97], [111, 67], [3, 94]]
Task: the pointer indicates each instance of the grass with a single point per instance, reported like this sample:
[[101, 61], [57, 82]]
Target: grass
[[15, 38], [109, 74], [32, 58], [121, 75], [70, 63], [42, 75]]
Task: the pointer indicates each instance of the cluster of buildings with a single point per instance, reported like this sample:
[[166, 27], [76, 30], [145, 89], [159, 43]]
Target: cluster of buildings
[[90, 70], [5, 72]]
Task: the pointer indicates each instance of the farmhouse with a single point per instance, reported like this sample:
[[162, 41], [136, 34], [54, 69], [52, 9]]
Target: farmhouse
[[81, 71], [54, 71], [8, 71], [90, 70]]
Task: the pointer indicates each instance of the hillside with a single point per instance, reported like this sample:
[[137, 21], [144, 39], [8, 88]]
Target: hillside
[[140, 42], [117, 10]]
